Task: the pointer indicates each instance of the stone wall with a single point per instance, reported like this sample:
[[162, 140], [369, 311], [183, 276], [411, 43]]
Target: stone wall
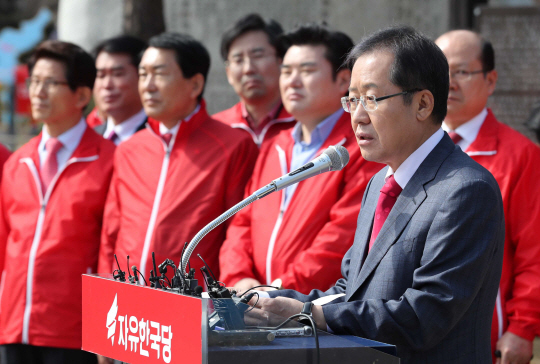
[[515, 34]]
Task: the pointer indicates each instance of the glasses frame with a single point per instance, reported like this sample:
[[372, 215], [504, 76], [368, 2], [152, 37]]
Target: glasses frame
[[467, 75], [346, 99], [47, 83]]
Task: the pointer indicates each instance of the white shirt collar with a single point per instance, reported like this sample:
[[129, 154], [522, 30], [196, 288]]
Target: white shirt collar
[[164, 130], [70, 139], [125, 129], [408, 168], [469, 130]]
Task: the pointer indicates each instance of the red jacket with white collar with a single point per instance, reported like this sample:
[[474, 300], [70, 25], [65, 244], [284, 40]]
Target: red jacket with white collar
[[49, 241], [302, 243], [160, 196], [515, 162], [233, 117]]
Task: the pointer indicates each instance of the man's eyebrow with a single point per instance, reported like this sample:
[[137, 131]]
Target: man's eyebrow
[[153, 67], [364, 87], [303, 64], [115, 68]]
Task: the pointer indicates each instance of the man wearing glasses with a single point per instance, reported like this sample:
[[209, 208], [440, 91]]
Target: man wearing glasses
[[253, 52], [514, 161], [423, 271], [52, 199], [296, 238]]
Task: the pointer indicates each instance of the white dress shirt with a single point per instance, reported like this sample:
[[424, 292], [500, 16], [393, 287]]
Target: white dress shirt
[[409, 167], [468, 131], [126, 129], [70, 140], [164, 130]]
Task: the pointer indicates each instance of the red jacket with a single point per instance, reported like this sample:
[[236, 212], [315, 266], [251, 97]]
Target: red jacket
[[50, 241], [303, 245], [4, 155], [515, 162], [233, 117], [160, 198]]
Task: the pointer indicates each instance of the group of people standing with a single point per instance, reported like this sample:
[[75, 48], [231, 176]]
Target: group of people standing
[[149, 168]]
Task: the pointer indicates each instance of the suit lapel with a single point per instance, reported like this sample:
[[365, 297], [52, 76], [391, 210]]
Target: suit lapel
[[406, 205]]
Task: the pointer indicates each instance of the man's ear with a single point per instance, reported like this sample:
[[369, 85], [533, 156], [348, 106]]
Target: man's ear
[[343, 80], [84, 95], [424, 103], [491, 79], [197, 85]]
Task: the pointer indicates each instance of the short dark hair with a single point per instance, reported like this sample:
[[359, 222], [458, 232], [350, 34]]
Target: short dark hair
[[487, 55], [191, 55], [250, 23], [418, 63], [79, 65], [124, 44], [337, 44]]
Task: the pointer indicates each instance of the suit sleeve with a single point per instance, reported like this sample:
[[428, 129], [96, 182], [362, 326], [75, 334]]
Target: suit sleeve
[[319, 265], [464, 240], [523, 232], [236, 254], [111, 224]]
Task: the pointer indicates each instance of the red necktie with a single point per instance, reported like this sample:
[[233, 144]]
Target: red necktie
[[454, 136], [167, 138], [49, 168], [112, 137], [389, 194]]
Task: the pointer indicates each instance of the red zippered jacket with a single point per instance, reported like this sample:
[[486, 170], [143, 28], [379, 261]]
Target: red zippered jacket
[[514, 161], [303, 243], [161, 196], [233, 117], [50, 241], [4, 155]]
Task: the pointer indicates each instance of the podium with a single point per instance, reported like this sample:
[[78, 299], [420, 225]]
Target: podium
[[138, 324]]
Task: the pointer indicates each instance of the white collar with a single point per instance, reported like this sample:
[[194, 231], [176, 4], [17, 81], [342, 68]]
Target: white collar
[[409, 167], [164, 130], [125, 129], [70, 139], [469, 130]]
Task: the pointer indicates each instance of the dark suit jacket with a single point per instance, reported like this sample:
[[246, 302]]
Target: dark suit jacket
[[429, 283], [100, 129]]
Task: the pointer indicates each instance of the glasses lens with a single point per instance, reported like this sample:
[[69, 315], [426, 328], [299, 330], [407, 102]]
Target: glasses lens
[[369, 103], [345, 104]]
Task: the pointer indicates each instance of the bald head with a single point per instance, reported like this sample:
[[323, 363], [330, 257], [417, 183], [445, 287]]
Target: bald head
[[473, 78]]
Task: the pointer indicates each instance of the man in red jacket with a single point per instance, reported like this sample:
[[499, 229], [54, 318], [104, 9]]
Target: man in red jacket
[[297, 238], [179, 174], [51, 202], [253, 53], [514, 161]]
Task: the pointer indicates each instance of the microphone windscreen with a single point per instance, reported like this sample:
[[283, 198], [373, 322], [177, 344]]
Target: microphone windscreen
[[339, 157]]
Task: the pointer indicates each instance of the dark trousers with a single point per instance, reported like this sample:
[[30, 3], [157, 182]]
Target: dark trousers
[[30, 354]]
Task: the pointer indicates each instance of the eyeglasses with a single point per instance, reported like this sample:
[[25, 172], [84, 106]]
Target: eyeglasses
[[47, 83], [255, 57], [369, 102], [462, 75]]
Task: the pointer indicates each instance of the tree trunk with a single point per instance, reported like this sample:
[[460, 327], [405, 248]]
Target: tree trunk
[[143, 18]]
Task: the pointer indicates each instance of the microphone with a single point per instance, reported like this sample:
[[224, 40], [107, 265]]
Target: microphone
[[334, 158]]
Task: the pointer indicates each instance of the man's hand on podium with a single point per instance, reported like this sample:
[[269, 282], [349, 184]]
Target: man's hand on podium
[[272, 311], [246, 283]]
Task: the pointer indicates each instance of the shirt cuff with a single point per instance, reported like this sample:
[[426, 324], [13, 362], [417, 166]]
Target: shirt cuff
[[262, 294]]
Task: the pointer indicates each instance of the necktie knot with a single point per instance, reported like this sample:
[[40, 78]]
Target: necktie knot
[[112, 137], [53, 145], [456, 138], [49, 167], [391, 187], [167, 138]]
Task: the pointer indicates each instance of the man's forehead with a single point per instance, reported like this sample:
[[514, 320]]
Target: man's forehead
[[371, 70], [49, 66], [158, 58]]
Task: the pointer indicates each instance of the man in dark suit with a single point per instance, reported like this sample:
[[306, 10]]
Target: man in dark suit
[[423, 271], [115, 89]]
